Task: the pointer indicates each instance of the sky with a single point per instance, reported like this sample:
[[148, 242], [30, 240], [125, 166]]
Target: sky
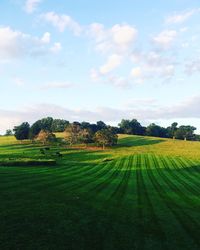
[[100, 60]]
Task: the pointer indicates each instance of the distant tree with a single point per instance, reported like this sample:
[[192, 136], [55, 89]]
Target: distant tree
[[72, 133], [101, 125], [46, 124], [46, 137], [86, 136], [42, 124], [35, 129], [93, 128], [59, 125], [185, 132], [85, 125], [156, 130], [22, 131], [172, 130], [105, 137], [8, 132], [132, 127]]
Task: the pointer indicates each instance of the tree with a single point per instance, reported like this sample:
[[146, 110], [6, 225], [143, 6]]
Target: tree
[[185, 132], [35, 129], [21, 132], [105, 137], [132, 127], [42, 124], [172, 130], [86, 136], [72, 133], [156, 130], [101, 125], [8, 132], [59, 125], [46, 137], [46, 124]]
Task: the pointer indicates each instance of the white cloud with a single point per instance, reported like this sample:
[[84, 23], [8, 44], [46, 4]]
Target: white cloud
[[31, 5], [152, 65], [46, 37], [62, 22], [178, 18], [56, 85], [112, 63], [56, 48], [136, 72], [192, 66], [165, 39], [120, 82], [94, 75], [15, 44], [119, 38], [11, 43], [123, 35]]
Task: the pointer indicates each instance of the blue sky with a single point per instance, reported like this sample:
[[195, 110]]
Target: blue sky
[[100, 60]]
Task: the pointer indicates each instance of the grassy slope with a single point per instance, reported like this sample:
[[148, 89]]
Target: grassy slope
[[147, 197]]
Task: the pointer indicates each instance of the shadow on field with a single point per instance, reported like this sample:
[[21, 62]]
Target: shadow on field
[[137, 141], [84, 155]]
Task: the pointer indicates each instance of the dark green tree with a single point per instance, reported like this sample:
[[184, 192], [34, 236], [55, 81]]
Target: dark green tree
[[59, 125], [132, 127], [22, 131], [185, 132], [156, 130]]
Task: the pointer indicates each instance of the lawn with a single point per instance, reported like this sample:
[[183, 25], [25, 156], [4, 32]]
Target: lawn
[[142, 194]]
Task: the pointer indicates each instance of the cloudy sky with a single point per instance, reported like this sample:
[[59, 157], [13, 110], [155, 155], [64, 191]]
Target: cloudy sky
[[100, 60]]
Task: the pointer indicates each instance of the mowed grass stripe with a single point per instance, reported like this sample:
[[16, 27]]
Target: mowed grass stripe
[[181, 177], [183, 238], [39, 179], [121, 183], [190, 226], [104, 184], [51, 181], [90, 179], [193, 171], [152, 229], [173, 185]]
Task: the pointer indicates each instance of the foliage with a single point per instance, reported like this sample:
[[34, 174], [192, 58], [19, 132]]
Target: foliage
[[72, 133], [86, 136], [59, 125], [8, 132], [105, 137], [185, 132], [22, 131], [132, 127], [46, 137], [156, 130]]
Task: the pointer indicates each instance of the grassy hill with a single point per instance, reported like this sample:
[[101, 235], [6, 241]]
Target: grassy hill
[[142, 194]]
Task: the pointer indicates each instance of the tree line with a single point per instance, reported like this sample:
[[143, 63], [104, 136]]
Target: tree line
[[100, 132], [44, 131]]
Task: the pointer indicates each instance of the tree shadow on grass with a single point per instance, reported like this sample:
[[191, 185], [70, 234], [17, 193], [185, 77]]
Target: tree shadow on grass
[[137, 141], [84, 155]]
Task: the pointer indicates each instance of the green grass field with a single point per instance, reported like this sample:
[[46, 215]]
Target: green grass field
[[142, 194]]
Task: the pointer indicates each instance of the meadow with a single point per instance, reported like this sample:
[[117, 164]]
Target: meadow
[[143, 193]]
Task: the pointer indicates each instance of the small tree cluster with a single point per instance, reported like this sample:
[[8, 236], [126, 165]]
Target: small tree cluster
[[75, 134], [46, 137], [105, 137]]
